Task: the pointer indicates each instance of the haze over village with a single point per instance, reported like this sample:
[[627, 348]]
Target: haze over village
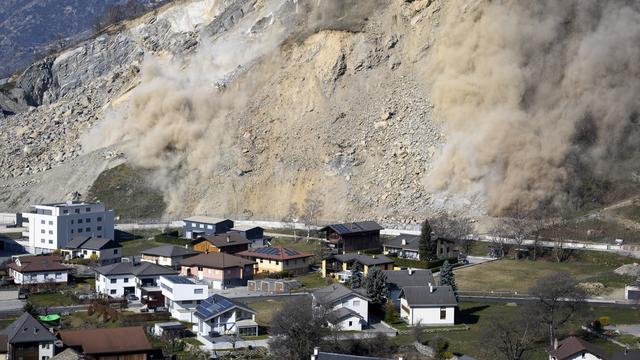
[[319, 179]]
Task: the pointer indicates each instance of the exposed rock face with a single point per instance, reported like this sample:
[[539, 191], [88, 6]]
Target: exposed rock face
[[333, 110]]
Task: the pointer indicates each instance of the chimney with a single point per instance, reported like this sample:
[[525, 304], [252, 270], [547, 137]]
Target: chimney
[[430, 287], [410, 271], [404, 242], [316, 351], [359, 252], [374, 256], [555, 343], [228, 238]]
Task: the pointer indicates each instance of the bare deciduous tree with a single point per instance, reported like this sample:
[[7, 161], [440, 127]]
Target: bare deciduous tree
[[311, 210], [291, 218], [559, 298], [510, 338]]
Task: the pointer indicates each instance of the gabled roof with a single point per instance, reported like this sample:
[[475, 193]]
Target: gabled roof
[[128, 268], [369, 260], [354, 227], [572, 346], [216, 261], [27, 329], [68, 354], [340, 314], [421, 296], [222, 240], [206, 219], [276, 252], [402, 278], [169, 251], [411, 242], [91, 243], [336, 292], [218, 304], [38, 263], [107, 340], [245, 227]]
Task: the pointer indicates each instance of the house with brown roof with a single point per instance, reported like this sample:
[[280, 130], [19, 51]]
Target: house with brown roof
[[38, 269], [230, 243], [129, 343], [574, 348], [218, 269], [167, 255], [278, 259], [361, 235]]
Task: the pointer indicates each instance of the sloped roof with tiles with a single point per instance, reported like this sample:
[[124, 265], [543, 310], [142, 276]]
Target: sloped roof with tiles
[[275, 253]]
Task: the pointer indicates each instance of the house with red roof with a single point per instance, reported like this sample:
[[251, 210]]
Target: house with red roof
[[38, 269], [278, 259]]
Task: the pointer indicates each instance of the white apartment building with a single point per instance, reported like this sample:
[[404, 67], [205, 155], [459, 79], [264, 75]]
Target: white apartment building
[[52, 226], [182, 295]]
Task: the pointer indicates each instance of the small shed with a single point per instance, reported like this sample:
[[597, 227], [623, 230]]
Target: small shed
[[169, 328]]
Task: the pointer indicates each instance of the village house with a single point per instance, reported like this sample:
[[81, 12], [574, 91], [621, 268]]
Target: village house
[[574, 348], [182, 295], [278, 259], [52, 226], [105, 251], [407, 246], [229, 243], [348, 309], [38, 269], [122, 279], [362, 235], [255, 234], [428, 305], [398, 279], [108, 343], [339, 265], [220, 270], [26, 338], [322, 355], [197, 226], [220, 316], [167, 255]]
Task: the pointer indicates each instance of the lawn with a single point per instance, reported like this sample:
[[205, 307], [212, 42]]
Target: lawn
[[134, 247], [512, 275], [311, 280], [265, 308], [596, 230], [53, 299], [479, 315]]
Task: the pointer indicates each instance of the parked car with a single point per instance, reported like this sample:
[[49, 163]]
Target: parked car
[[132, 297], [161, 309], [23, 293]]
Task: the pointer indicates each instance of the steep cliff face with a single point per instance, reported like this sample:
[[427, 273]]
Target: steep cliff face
[[244, 107]]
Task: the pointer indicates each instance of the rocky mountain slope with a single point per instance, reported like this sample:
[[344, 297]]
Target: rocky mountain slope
[[243, 107]]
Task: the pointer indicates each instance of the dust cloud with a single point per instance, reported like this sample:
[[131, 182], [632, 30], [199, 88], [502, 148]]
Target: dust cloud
[[540, 100]]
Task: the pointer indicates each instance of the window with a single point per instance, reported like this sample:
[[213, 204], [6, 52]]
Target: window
[[113, 281], [79, 230], [50, 241], [79, 221], [42, 222], [210, 227], [84, 252], [198, 291], [71, 221], [199, 268], [88, 209], [41, 231], [115, 251], [50, 222], [65, 211], [99, 218], [42, 241], [93, 253], [356, 302], [50, 232], [112, 291], [443, 313], [87, 229], [77, 211], [88, 220], [44, 357], [72, 231], [350, 323], [99, 228], [126, 280]]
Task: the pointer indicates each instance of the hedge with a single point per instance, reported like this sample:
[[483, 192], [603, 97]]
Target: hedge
[[423, 264]]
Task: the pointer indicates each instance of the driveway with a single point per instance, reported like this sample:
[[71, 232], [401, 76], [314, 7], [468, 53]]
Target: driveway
[[627, 329]]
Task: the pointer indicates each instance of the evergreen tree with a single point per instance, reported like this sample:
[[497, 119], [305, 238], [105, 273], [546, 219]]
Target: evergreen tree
[[447, 277], [427, 249], [389, 312], [376, 285], [356, 279]]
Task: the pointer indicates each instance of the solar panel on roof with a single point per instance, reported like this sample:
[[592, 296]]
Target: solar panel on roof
[[341, 228], [290, 252]]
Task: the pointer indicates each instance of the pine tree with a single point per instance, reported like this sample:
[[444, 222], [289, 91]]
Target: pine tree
[[356, 279], [426, 247], [447, 278], [376, 286]]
